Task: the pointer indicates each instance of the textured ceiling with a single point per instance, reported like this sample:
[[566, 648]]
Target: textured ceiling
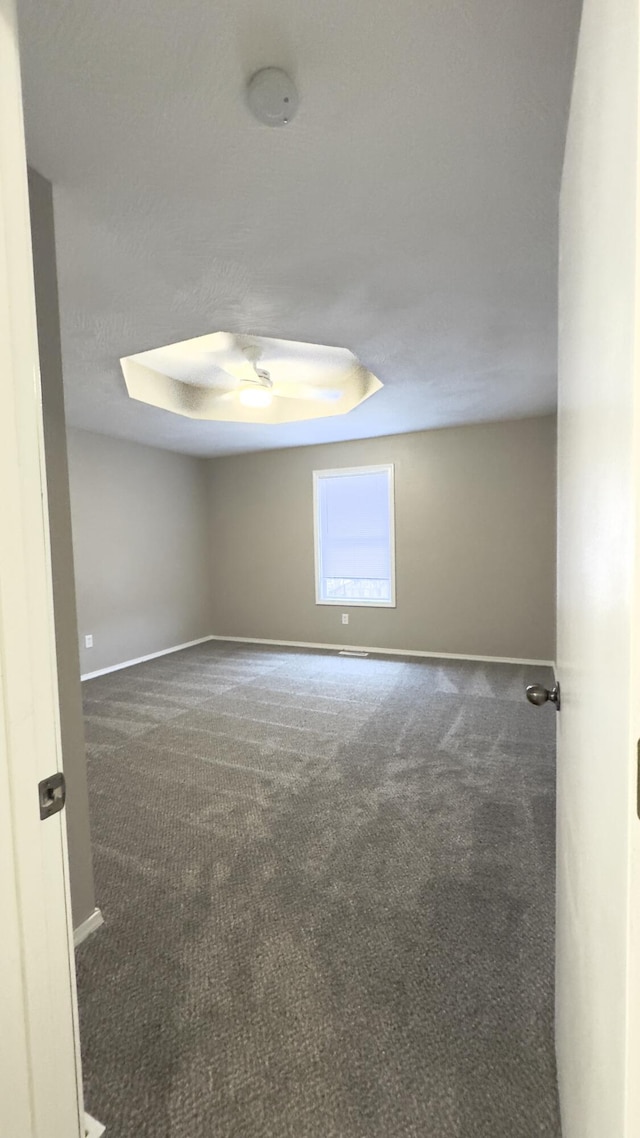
[[408, 212]]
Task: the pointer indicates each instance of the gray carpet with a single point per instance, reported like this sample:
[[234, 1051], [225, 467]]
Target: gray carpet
[[328, 893]]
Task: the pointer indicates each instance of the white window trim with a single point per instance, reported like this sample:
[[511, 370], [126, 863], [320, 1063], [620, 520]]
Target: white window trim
[[346, 603]]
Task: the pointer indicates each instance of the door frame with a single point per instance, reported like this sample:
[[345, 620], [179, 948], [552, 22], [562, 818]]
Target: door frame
[[40, 1070]]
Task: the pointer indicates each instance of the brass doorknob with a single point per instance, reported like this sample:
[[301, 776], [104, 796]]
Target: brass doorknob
[[537, 694]]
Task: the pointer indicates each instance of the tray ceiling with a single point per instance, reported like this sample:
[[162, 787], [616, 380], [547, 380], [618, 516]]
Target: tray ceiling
[[409, 212]]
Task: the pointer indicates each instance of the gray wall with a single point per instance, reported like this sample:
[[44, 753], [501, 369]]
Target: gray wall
[[140, 547], [71, 723], [475, 550]]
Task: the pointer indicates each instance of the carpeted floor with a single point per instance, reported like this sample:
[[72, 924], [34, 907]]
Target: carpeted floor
[[328, 892]]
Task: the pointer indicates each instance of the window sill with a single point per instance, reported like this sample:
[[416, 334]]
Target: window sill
[[349, 603]]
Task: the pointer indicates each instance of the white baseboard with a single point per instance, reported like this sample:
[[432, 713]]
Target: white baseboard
[[92, 1129], [93, 922], [385, 651], [143, 659], [324, 647]]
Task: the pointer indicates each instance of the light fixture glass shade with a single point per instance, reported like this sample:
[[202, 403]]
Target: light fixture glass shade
[[255, 396]]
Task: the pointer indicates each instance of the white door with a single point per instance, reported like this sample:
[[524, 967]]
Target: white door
[[598, 657], [40, 1083]]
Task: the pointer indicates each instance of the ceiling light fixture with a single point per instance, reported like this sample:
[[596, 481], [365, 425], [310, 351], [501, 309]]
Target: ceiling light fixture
[[255, 396], [240, 378]]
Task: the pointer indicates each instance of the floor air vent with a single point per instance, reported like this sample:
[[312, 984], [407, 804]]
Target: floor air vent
[[346, 652]]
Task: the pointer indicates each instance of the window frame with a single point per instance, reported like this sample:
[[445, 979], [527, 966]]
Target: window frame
[[349, 602]]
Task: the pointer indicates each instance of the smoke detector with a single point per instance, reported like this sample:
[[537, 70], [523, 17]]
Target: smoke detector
[[272, 96]]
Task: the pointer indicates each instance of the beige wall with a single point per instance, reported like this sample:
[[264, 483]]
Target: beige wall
[[140, 548], [71, 723], [475, 543]]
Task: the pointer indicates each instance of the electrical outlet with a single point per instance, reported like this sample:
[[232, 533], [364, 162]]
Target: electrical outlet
[[345, 618], [88, 640]]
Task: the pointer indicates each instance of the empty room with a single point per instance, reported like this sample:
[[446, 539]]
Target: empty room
[[295, 280]]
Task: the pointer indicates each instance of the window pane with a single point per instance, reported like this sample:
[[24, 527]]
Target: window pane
[[356, 588], [354, 532]]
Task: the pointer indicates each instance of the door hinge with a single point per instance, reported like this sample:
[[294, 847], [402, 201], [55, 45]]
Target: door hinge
[[52, 793], [638, 782]]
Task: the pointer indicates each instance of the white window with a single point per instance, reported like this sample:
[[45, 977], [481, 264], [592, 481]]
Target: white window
[[354, 536]]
